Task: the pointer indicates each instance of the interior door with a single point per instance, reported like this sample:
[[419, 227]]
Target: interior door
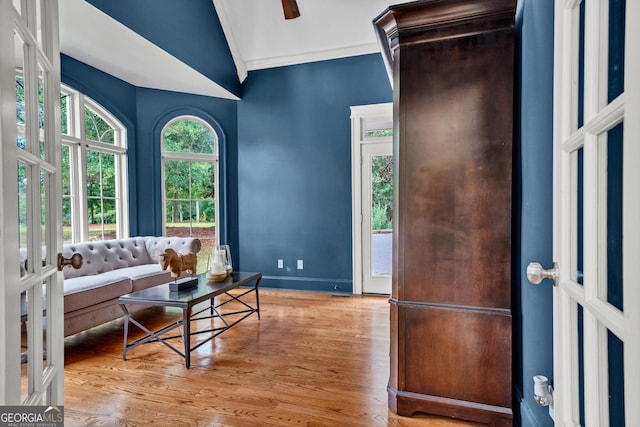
[[31, 332], [377, 217], [596, 213]]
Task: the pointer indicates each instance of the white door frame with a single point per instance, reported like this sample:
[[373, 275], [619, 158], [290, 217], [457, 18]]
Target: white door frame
[[599, 116], [36, 25], [359, 114]]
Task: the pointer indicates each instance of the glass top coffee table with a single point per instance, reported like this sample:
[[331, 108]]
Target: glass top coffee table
[[162, 296]]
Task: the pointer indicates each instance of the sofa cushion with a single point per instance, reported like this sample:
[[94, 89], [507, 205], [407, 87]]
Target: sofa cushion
[[106, 255], [146, 276], [80, 292]]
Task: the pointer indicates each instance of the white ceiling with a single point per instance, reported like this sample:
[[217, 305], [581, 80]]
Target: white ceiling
[[93, 37], [260, 37], [257, 33]]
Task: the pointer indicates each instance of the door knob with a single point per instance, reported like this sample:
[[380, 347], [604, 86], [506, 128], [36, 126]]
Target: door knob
[[535, 273], [75, 261]]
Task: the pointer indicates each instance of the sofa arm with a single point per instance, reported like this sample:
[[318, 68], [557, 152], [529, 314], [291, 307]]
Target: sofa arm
[[182, 245]]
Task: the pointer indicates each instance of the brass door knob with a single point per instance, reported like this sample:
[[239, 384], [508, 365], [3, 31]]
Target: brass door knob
[[75, 261]]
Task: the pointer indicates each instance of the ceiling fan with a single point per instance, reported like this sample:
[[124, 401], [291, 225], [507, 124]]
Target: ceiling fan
[[290, 8]]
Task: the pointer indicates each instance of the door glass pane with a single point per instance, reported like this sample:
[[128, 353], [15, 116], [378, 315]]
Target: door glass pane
[[44, 218], [581, 34], [614, 216], [23, 184], [617, 9], [21, 96], [577, 232], [41, 114], [66, 195], [381, 214], [581, 363], [616, 380]]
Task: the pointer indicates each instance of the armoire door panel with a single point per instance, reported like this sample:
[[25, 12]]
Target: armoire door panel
[[458, 167], [468, 353]]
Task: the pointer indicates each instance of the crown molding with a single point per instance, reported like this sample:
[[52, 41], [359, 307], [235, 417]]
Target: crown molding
[[320, 55], [241, 67]]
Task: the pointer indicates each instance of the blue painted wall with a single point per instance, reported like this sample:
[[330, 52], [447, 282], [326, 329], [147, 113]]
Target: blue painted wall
[[174, 27], [533, 331], [154, 109], [294, 169], [119, 98], [144, 112]]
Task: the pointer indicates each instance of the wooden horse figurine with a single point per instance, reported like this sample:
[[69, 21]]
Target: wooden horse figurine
[[178, 263]]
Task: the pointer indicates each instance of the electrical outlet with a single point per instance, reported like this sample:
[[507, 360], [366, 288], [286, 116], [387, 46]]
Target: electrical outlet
[[300, 264], [280, 263]]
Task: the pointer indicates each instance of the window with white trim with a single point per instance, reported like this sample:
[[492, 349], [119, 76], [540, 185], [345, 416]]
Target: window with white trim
[[190, 182], [94, 171]]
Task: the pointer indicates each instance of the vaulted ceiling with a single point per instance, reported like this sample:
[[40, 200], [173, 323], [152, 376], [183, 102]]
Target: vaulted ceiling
[[260, 37], [207, 47]]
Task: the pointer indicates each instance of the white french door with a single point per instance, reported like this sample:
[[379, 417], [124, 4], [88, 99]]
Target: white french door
[[372, 170], [31, 350], [597, 212]]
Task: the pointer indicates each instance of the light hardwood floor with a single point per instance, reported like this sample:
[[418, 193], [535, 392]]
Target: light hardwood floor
[[314, 359]]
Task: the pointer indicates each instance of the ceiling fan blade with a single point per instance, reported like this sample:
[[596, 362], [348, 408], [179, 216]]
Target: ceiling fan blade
[[290, 8]]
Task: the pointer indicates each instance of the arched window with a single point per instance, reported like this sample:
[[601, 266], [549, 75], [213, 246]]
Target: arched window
[[94, 172], [190, 178]]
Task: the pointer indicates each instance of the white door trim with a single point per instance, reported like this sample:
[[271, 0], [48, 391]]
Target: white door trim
[[358, 114]]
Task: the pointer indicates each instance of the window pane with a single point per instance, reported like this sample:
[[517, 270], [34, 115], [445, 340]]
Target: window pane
[[93, 173], [177, 179], [94, 215], [20, 113], [202, 180], [108, 217], [381, 214], [64, 116], [108, 170], [188, 136], [96, 129], [66, 220]]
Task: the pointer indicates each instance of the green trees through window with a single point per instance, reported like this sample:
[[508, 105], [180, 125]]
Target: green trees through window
[[189, 161]]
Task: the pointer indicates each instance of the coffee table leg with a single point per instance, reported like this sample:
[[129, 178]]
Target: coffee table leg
[[126, 330], [186, 320]]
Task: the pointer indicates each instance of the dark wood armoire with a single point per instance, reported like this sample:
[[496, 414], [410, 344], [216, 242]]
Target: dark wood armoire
[[452, 65]]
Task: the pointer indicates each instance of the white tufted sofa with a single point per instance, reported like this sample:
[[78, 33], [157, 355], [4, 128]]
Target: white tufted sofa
[[111, 268]]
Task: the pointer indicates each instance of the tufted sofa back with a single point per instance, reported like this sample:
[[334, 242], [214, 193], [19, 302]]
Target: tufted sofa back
[[108, 255], [182, 245]]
